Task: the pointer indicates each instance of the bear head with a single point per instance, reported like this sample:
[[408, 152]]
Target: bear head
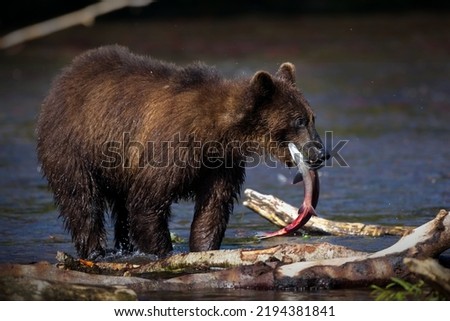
[[280, 114]]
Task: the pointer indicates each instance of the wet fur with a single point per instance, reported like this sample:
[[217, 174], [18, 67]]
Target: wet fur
[[111, 95]]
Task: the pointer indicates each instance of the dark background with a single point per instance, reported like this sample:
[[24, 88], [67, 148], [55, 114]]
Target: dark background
[[19, 13]]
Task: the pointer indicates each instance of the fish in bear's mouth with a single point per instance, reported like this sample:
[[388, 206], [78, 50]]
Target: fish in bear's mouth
[[310, 178]]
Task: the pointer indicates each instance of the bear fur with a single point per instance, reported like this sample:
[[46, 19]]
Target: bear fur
[[129, 134]]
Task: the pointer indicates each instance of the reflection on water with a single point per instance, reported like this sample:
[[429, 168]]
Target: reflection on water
[[393, 112]]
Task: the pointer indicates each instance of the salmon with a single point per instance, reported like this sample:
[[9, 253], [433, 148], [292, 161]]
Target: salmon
[[310, 180]]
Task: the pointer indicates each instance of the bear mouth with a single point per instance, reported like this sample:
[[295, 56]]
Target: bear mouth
[[314, 165], [313, 162]]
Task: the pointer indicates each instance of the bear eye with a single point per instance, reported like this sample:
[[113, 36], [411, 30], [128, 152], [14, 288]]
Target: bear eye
[[299, 122]]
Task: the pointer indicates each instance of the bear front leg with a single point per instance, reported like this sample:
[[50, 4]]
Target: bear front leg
[[209, 224], [213, 206], [121, 220], [149, 229]]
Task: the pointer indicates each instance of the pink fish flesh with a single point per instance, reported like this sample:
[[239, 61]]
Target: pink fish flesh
[[310, 179]]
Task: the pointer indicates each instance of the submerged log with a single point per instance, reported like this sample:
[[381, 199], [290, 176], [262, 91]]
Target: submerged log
[[281, 214]]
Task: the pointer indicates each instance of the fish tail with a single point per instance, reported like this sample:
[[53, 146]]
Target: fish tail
[[307, 210]]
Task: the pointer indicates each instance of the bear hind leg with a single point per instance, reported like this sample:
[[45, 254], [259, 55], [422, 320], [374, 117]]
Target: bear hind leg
[[82, 210]]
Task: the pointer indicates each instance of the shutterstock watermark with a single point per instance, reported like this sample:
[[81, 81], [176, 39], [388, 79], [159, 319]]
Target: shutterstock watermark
[[191, 152], [334, 150]]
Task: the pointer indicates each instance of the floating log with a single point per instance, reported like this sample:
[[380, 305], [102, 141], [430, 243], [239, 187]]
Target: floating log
[[281, 214]]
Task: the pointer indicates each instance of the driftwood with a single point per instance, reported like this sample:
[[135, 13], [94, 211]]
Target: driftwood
[[35, 289], [212, 260], [85, 16], [434, 274], [299, 267], [47, 272], [428, 240], [281, 214]]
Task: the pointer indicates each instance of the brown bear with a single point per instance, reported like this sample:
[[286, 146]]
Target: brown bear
[[129, 134]]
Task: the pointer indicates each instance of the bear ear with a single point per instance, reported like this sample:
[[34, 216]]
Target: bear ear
[[286, 72], [262, 85]]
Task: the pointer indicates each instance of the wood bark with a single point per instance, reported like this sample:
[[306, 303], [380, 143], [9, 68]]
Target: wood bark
[[36, 289], [428, 240], [281, 214], [212, 260], [432, 272]]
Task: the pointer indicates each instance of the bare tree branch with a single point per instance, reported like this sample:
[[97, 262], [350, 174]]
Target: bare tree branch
[[85, 16]]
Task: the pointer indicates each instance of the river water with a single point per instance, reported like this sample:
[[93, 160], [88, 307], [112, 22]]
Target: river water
[[380, 84]]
